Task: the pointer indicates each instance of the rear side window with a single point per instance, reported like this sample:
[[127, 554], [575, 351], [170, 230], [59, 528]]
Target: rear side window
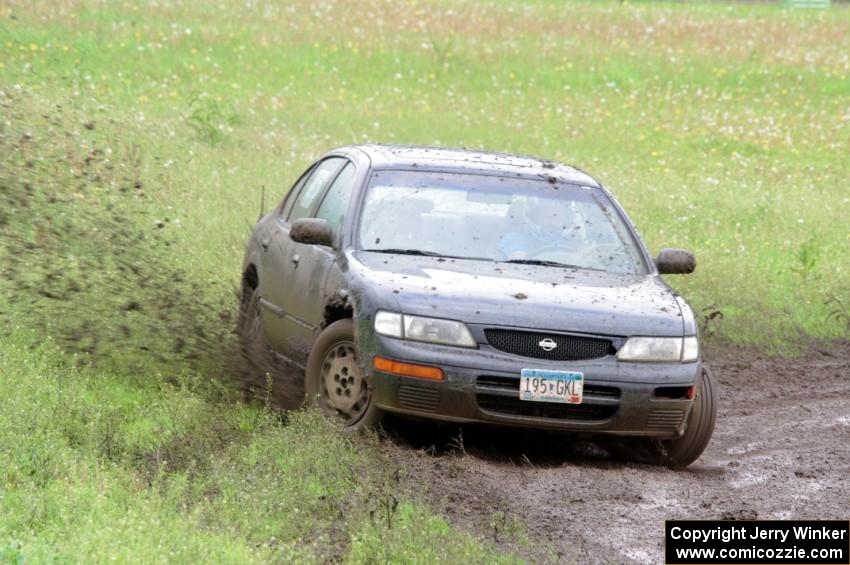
[[312, 188], [336, 200], [293, 192]]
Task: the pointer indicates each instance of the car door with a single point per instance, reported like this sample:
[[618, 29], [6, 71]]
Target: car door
[[280, 261], [304, 298]]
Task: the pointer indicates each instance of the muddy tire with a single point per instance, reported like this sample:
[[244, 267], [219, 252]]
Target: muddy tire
[[336, 383], [682, 451], [260, 368]]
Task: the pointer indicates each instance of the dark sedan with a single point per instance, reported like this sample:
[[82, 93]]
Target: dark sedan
[[475, 287]]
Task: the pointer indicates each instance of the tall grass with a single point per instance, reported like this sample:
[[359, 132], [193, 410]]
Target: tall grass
[[96, 469]]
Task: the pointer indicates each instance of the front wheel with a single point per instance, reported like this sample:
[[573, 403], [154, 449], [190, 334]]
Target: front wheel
[[335, 381], [684, 450]]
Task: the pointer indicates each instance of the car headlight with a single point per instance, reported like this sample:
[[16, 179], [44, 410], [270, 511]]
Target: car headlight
[[420, 328], [389, 323], [669, 349]]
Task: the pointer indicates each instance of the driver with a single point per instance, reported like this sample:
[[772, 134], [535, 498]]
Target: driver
[[538, 224]]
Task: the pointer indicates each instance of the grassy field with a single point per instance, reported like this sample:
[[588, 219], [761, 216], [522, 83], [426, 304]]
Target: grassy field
[[135, 138], [722, 128]]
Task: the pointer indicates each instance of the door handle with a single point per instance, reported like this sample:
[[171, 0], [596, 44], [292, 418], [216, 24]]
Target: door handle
[[296, 258]]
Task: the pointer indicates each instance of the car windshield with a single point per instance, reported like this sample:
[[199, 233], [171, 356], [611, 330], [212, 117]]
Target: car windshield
[[495, 218]]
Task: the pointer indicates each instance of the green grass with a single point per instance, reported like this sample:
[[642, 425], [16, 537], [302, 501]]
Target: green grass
[[722, 128], [96, 469], [135, 140]]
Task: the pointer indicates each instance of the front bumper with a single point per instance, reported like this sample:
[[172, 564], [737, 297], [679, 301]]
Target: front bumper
[[482, 385]]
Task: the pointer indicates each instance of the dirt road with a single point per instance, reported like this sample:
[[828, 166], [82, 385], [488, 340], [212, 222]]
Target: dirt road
[[781, 449]]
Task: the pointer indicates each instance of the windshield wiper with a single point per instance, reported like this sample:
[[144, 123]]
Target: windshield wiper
[[424, 253], [407, 252], [546, 263]]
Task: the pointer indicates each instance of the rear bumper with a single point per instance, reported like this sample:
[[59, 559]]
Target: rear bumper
[[482, 385]]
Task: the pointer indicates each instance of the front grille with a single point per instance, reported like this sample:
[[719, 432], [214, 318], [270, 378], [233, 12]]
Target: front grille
[[664, 420], [418, 398], [512, 384], [567, 347], [516, 407]]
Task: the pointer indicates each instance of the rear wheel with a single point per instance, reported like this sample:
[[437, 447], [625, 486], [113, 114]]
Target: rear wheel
[[335, 381], [684, 450], [261, 371]]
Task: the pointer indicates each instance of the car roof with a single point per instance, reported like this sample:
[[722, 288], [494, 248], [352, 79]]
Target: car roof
[[423, 157]]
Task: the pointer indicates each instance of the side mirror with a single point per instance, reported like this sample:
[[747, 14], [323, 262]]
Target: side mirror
[[675, 262], [312, 231]]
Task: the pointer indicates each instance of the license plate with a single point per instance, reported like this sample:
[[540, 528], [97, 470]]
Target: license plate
[[539, 385]]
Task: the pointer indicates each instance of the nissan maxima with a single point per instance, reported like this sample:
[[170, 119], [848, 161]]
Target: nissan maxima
[[468, 286]]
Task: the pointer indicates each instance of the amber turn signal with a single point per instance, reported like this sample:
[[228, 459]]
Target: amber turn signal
[[407, 369]]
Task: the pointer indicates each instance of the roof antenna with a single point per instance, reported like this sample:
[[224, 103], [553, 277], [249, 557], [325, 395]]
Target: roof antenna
[[262, 203]]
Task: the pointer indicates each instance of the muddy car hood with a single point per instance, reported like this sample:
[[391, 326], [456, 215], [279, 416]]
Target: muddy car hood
[[553, 298]]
